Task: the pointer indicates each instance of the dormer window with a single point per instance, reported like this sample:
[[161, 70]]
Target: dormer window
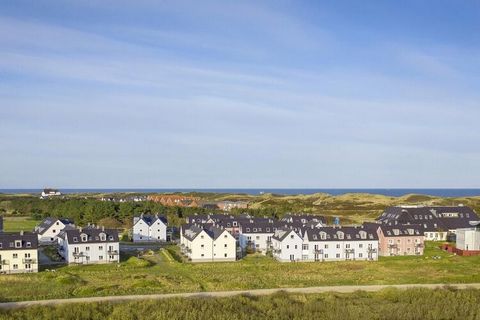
[[103, 237], [110, 238], [29, 244], [75, 239], [84, 237], [18, 243]]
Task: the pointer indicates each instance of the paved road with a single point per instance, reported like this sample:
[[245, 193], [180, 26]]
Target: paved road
[[218, 294]]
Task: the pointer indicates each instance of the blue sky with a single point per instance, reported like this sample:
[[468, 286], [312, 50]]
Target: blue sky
[[198, 94]]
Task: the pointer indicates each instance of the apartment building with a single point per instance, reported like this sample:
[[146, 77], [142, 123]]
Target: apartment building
[[18, 252]]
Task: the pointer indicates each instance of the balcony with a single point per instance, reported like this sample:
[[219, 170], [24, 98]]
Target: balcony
[[113, 252], [79, 255], [4, 262], [277, 251], [318, 251], [372, 250], [29, 261], [393, 246], [350, 251], [418, 245]]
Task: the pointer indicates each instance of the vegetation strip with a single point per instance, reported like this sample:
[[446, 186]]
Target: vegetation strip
[[220, 294]]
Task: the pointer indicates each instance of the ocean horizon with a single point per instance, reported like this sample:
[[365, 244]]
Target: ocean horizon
[[394, 192]]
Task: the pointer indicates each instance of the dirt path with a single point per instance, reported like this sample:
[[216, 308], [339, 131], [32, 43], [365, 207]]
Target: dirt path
[[220, 294]]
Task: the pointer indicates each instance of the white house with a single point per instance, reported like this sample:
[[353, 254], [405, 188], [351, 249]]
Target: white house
[[49, 229], [257, 235], [468, 239], [148, 228], [89, 246], [340, 243], [207, 243], [18, 252], [46, 193], [286, 245]]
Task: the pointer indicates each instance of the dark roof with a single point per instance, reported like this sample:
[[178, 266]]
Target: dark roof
[[303, 218], [28, 240], [260, 225], [48, 222], [430, 218], [282, 233], [401, 230], [150, 219], [340, 233], [191, 231], [93, 235]]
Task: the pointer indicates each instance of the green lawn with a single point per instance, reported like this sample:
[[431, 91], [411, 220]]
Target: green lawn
[[386, 304], [15, 224], [160, 274]]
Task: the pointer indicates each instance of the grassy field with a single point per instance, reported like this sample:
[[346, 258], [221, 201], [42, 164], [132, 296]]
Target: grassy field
[[159, 273], [15, 224], [387, 304]]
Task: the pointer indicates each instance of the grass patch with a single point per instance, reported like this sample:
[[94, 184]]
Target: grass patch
[[142, 276], [16, 224], [387, 304]]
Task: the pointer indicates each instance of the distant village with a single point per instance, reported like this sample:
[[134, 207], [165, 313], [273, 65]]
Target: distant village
[[398, 231]]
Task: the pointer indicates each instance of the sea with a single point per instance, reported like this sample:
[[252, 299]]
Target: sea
[[257, 191]]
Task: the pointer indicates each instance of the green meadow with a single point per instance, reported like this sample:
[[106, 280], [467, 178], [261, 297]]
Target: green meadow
[[159, 272], [387, 304]]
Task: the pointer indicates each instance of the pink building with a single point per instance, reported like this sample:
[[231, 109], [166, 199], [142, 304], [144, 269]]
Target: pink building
[[400, 240]]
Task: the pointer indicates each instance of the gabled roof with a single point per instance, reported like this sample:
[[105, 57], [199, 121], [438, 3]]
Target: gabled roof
[[49, 221], [93, 235], [358, 233], [431, 218], [401, 230], [151, 219], [281, 234], [29, 240], [191, 231]]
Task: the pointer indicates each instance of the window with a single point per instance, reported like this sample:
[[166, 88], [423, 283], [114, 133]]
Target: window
[[338, 246], [338, 255], [87, 248], [225, 236], [326, 255], [305, 247], [54, 230], [18, 243], [202, 255], [27, 255], [326, 246], [225, 245], [100, 248], [347, 246], [288, 247], [100, 257], [202, 246], [296, 246], [15, 266], [75, 239], [360, 245], [258, 237], [201, 237], [29, 244], [15, 255], [360, 255], [225, 255], [291, 237], [28, 266]]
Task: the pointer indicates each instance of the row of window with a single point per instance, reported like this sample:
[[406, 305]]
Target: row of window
[[17, 244], [15, 256]]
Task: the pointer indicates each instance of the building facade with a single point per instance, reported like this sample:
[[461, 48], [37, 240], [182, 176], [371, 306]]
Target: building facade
[[400, 240], [49, 229], [468, 239], [18, 253], [207, 243], [287, 245], [89, 246], [147, 228]]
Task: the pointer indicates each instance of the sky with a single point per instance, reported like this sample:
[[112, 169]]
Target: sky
[[239, 94]]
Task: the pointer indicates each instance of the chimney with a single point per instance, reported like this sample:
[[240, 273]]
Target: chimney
[[21, 233], [103, 228]]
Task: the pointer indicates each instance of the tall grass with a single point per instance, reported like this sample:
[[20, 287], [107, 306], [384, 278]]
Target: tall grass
[[386, 304]]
